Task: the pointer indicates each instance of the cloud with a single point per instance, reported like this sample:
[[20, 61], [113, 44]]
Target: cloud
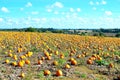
[[29, 4], [62, 13], [97, 3], [4, 9], [70, 21], [94, 8], [1, 19], [21, 9], [58, 4], [35, 12], [49, 10], [71, 10], [103, 2], [78, 9], [56, 12], [91, 3], [44, 19], [108, 13]]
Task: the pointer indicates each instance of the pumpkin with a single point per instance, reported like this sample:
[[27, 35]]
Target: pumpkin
[[67, 66], [99, 58], [49, 57], [55, 63], [7, 61], [74, 62], [14, 63], [59, 73], [71, 59], [42, 58], [39, 61], [22, 75], [111, 65], [56, 52], [30, 54], [10, 54], [27, 62], [47, 72], [20, 63], [46, 54], [15, 57], [78, 56], [89, 61]]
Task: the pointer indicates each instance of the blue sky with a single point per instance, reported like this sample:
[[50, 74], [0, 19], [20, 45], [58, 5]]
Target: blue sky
[[60, 13]]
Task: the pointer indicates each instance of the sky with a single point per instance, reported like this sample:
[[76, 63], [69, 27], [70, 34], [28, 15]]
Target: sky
[[61, 14]]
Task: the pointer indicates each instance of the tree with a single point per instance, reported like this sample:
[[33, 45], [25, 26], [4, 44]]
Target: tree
[[30, 29], [118, 34]]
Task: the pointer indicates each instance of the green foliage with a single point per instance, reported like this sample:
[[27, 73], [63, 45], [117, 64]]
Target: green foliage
[[117, 53], [61, 61], [102, 62], [40, 74], [30, 29], [83, 76], [83, 34], [118, 34], [99, 34]]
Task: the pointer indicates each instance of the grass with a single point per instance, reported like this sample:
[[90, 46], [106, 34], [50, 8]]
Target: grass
[[40, 74], [61, 62], [83, 75]]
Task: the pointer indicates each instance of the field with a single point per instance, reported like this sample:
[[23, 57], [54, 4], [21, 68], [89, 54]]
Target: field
[[50, 56]]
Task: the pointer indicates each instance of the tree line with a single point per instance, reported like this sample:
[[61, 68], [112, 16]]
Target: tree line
[[97, 32]]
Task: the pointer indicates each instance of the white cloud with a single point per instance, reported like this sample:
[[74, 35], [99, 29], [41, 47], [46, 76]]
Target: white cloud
[[49, 10], [35, 12], [91, 3], [4, 9], [57, 4], [29, 4], [94, 8], [71, 10], [97, 3], [21, 9], [78, 9], [1, 19], [108, 13], [69, 21], [56, 12], [63, 13], [44, 19], [103, 2], [36, 19]]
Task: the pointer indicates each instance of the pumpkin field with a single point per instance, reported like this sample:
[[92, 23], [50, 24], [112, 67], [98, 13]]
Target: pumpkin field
[[52, 56]]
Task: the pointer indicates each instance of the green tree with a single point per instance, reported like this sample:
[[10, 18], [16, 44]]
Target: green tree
[[30, 29], [118, 34]]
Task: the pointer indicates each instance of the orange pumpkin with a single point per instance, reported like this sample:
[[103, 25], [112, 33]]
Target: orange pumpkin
[[111, 65], [42, 58], [21, 63], [59, 73], [67, 66], [55, 63], [47, 72], [74, 62], [89, 61], [78, 56], [49, 57], [27, 62], [39, 61]]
